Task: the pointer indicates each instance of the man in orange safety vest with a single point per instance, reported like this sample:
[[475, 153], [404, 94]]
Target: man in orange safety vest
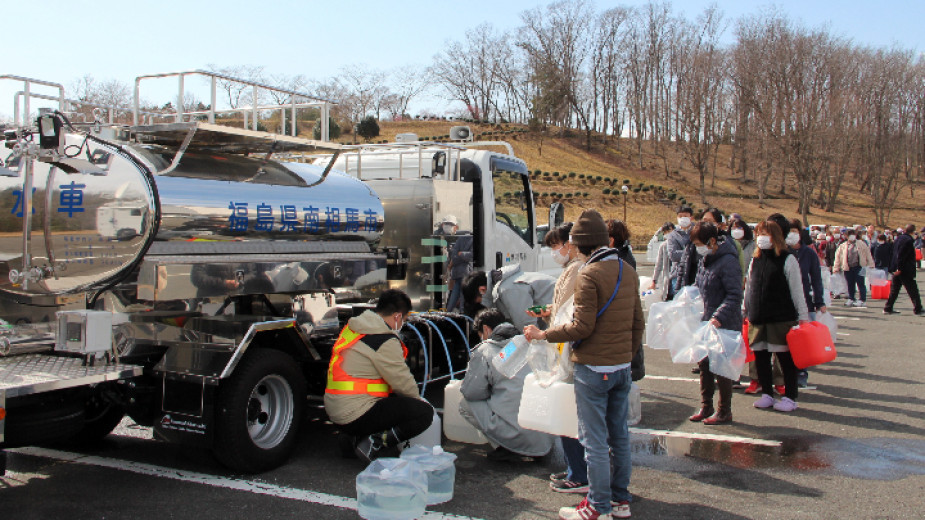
[[370, 392]]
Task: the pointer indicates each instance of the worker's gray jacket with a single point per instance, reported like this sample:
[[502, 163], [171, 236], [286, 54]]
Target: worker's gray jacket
[[491, 401], [517, 291]]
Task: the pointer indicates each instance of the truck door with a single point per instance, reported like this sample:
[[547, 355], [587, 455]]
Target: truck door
[[514, 238]]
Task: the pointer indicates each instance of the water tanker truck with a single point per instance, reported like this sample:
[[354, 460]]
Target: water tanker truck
[[194, 276]]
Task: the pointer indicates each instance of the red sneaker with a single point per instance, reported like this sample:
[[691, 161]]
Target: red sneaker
[[753, 387], [584, 511], [780, 389]]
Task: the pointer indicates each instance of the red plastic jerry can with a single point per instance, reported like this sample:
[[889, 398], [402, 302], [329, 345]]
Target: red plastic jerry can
[[880, 292], [811, 345], [749, 355]]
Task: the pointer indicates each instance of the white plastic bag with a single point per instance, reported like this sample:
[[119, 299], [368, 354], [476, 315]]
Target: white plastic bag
[[829, 321], [684, 344], [652, 249], [877, 277], [726, 351], [839, 285]]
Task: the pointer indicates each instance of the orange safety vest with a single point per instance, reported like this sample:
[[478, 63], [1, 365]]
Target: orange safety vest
[[340, 382]]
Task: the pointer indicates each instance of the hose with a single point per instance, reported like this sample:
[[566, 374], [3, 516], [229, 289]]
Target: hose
[[446, 349], [461, 333], [426, 359]]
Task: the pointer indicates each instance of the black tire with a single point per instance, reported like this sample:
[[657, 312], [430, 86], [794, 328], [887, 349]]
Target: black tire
[[33, 420], [100, 419], [259, 411]]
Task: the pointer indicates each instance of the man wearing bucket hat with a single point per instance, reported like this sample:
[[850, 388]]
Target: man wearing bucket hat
[[606, 330]]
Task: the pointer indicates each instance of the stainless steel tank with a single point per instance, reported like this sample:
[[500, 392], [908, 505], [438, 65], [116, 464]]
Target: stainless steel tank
[[88, 230]]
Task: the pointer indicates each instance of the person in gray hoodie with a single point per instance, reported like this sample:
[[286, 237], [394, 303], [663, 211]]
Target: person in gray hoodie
[[492, 401], [719, 278]]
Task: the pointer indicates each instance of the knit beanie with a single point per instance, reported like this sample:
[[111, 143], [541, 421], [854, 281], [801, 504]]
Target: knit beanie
[[590, 230]]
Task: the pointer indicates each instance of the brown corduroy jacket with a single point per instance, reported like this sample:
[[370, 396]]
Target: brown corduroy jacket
[[612, 338]]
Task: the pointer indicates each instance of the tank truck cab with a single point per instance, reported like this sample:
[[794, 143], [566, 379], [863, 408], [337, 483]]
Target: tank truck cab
[[483, 184]]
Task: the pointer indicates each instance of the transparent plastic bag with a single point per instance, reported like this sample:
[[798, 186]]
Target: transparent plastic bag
[[829, 321], [689, 301], [634, 410], [549, 362], [726, 351], [652, 249], [839, 285], [661, 318], [684, 344]]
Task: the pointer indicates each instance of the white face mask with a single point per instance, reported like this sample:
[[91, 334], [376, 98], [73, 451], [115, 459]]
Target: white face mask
[[764, 242], [836, 235], [852, 238], [703, 250], [448, 229], [793, 238], [738, 234], [558, 257], [684, 222]]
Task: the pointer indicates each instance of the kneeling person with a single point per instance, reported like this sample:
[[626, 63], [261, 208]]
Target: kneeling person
[[492, 401], [370, 392]]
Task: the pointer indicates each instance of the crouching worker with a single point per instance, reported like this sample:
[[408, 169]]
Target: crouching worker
[[371, 393], [491, 401]]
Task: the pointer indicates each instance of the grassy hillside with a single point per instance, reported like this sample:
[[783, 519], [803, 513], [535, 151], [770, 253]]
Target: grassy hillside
[[606, 167]]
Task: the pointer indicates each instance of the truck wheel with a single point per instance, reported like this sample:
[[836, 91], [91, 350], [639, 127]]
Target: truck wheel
[[259, 411], [100, 420]]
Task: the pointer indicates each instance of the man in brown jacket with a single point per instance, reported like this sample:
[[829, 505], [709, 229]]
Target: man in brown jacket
[[370, 392], [606, 329]]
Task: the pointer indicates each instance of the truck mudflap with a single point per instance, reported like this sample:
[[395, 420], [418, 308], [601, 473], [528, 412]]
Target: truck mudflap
[[37, 373]]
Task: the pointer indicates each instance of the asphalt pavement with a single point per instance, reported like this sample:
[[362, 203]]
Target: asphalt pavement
[[855, 448]]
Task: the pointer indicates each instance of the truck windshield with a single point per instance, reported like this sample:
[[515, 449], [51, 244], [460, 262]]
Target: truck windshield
[[513, 203]]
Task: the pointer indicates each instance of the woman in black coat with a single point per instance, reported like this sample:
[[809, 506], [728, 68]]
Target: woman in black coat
[[719, 278]]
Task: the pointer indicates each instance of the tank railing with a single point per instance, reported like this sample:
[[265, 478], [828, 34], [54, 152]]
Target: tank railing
[[293, 122], [27, 90], [294, 97], [402, 150], [71, 104]]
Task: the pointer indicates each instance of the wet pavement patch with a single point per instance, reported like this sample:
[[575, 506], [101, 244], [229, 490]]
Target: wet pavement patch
[[876, 458]]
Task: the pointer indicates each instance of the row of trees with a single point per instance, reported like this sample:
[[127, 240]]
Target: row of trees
[[799, 106]]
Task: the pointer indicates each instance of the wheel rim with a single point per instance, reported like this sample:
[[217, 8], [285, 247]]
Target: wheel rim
[[270, 411]]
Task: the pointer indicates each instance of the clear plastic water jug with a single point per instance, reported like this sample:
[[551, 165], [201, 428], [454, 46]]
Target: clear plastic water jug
[[455, 426], [391, 489], [440, 469], [512, 357]]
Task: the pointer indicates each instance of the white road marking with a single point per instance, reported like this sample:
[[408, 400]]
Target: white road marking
[[249, 486], [706, 436], [842, 333], [669, 378], [846, 318]]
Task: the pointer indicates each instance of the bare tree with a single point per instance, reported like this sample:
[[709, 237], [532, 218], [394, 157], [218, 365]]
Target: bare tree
[[234, 91]]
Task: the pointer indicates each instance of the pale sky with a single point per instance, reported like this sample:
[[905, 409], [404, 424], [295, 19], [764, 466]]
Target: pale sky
[[62, 41]]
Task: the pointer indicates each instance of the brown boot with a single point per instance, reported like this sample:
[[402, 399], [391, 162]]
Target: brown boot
[[718, 418], [701, 415]]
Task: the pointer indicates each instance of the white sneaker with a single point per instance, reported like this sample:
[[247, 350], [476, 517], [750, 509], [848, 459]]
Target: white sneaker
[[849, 303], [860, 303]]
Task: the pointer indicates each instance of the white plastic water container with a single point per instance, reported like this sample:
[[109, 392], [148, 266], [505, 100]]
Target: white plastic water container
[[391, 489], [455, 426], [512, 357], [440, 469], [429, 437], [551, 409], [634, 410]]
